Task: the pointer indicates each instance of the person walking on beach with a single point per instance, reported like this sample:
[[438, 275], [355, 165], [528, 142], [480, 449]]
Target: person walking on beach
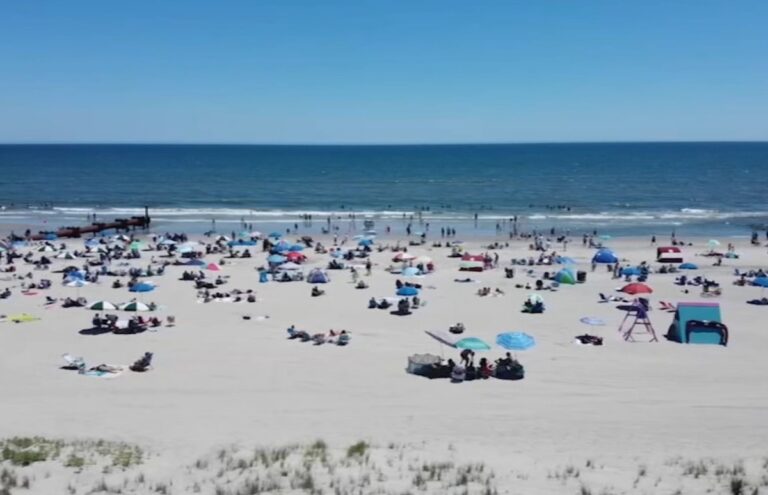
[[653, 240], [368, 266]]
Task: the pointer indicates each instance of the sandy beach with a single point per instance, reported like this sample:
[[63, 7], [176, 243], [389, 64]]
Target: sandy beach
[[222, 381]]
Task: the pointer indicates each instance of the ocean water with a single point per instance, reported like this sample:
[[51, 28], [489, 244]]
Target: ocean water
[[620, 189]]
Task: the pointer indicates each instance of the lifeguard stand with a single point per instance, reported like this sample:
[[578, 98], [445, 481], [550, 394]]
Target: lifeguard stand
[[640, 323]]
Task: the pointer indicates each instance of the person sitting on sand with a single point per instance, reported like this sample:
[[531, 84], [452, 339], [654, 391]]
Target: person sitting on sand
[[505, 361], [316, 291], [484, 369]]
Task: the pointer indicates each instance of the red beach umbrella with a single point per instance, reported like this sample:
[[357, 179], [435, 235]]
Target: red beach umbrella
[[636, 288]]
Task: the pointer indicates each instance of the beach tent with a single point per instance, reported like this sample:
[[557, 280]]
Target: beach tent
[[47, 248], [564, 260], [565, 276], [195, 262], [213, 267], [629, 271], [698, 323], [411, 271], [365, 242], [318, 276], [407, 291], [760, 282], [605, 256], [471, 266], [669, 254], [688, 266]]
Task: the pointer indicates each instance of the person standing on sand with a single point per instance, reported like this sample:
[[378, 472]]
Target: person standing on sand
[[653, 240]]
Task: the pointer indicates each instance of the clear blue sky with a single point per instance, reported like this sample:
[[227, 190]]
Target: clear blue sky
[[287, 71]]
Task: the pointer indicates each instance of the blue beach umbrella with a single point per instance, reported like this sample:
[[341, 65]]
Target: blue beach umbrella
[[472, 343], [365, 242], [142, 287], [275, 235], [296, 248], [276, 259], [565, 260], [688, 266], [407, 291], [195, 262], [515, 341], [760, 282]]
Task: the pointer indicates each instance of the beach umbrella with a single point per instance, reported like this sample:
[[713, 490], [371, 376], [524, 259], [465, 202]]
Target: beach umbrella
[[688, 266], [77, 283], [213, 267], [365, 242], [296, 248], [713, 243], [407, 291], [102, 306], [535, 299], [411, 271], [472, 343], [167, 242], [134, 306], [255, 234], [195, 262], [142, 287], [565, 276], [515, 341], [760, 282], [295, 256], [92, 242], [605, 256], [47, 248], [636, 288], [423, 260], [223, 238], [276, 259], [136, 246], [275, 235], [444, 337]]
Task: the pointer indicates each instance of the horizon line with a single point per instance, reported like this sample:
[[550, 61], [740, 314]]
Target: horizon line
[[371, 144]]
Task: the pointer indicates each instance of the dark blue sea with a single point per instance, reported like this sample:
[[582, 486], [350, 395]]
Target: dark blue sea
[[620, 189]]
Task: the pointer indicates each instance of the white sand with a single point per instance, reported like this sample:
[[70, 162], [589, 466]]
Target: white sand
[[219, 379]]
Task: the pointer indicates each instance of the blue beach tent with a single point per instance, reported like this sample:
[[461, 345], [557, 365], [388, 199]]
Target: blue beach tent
[[605, 256], [698, 323]]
